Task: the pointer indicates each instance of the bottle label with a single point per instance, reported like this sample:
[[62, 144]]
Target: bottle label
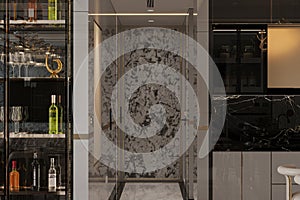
[[52, 181], [31, 12], [34, 177]]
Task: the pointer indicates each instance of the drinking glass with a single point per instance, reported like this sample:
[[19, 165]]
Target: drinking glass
[[29, 61], [2, 114], [11, 62], [2, 57], [19, 61], [16, 117]]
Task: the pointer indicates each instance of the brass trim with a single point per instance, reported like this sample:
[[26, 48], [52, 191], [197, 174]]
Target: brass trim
[[81, 136], [203, 128]]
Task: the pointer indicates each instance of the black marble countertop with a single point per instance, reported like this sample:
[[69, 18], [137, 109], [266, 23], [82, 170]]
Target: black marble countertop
[[260, 123]]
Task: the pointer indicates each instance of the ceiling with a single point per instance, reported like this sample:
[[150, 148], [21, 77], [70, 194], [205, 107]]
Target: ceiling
[[140, 6]]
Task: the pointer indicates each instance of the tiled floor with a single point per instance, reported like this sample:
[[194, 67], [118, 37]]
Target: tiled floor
[[151, 191]]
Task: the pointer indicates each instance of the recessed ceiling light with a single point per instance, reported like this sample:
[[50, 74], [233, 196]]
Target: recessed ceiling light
[[150, 20], [150, 10]]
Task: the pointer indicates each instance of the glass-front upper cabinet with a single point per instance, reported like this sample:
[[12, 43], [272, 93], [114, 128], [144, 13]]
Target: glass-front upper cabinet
[[239, 53], [35, 82]]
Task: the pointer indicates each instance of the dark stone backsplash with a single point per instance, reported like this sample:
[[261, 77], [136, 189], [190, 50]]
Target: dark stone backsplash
[[261, 123]]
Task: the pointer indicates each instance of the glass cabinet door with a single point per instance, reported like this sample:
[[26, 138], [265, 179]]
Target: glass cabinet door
[[2, 67], [239, 53], [37, 98]]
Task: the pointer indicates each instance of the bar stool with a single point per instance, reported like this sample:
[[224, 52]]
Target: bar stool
[[290, 171]]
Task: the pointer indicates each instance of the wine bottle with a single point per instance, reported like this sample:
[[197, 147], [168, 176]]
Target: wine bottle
[[58, 176], [52, 177], [53, 116], [36, 173], [32, 10], [52, 9], [14, 178], [60, 116]]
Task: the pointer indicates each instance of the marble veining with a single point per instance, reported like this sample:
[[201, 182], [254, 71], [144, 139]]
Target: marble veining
[[260, 122]]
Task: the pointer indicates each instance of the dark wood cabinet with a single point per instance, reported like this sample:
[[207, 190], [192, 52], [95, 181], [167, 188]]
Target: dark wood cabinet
[[236, 51]]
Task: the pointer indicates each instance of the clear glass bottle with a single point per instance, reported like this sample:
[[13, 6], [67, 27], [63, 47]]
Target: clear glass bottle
[[52, 9], [36, 173], [14, 178], [52, 177], [60, 116], [53, 116]]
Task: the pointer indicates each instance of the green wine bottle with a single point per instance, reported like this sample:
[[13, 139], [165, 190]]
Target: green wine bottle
[[53, 116], [52, 9]]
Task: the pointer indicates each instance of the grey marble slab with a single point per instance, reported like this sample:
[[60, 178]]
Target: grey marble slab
[[150, 191], [100, 191]]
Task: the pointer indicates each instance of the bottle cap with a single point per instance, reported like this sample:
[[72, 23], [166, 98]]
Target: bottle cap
[[59, 99], [35, 155], [14, 164], [52, 160], [53, 97]]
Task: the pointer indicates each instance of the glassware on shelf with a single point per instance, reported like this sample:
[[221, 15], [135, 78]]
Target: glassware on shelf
[[29, 61], [20, 62], [2, 57], [1, 113], [16, 117], [11, 62]]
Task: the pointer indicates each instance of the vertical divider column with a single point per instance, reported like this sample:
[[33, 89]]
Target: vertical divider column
[[6, 100], [202, 93], [80, 100]]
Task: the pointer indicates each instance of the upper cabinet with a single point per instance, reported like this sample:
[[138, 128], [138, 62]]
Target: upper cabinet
[[285, 11], [255, 11], [239, 55], [238, 11]]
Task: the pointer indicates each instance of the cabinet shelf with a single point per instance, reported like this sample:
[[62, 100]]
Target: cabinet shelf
[[39, 25], [38, 22], [26, 135], [35, 79], [35, 193]]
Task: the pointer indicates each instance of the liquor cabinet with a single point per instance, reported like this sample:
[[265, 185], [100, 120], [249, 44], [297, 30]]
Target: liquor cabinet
[[36, 63]]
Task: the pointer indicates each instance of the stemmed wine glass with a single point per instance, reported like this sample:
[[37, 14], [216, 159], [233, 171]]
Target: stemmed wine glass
[[2, 114], [11, 62], [28, 61], [2, 56], [18, 59], [16, 117]]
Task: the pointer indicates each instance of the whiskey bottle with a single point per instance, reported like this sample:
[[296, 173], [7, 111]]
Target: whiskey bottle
[[14, 178], [52, 177], [53, 116], [36, 173], [32, 10]]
